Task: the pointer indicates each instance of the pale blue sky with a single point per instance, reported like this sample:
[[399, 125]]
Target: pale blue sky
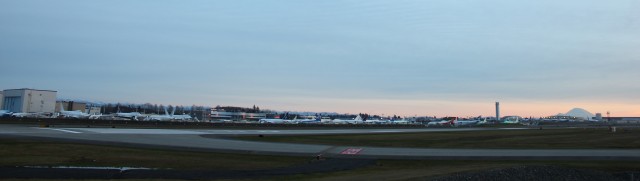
[[393, 57]]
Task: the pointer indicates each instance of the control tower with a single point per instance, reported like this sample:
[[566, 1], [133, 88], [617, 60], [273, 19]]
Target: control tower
[[498, 111]]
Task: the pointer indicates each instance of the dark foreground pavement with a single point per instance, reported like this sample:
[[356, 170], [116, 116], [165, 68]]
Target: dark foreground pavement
[[539, 173], [315, 166]]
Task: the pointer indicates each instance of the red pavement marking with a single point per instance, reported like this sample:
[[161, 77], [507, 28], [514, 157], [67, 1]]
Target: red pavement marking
[[351, 151]]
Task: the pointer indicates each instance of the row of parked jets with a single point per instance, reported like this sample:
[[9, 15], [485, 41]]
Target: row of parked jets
[[359, 120], [81, 115], [172, 116]]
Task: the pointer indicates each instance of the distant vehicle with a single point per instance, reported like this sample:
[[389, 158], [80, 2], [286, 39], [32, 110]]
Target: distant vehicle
[[4, 113], [72, 114]]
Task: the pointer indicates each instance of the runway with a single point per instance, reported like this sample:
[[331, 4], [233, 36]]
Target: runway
[[214, 140]]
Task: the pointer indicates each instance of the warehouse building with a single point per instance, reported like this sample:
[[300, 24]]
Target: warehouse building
[[237, 116], [229, 113], [623, 120], [29, 100], [71, 106]]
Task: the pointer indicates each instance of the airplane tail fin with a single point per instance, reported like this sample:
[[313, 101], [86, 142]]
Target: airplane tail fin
[[173, 111], [165, 111], [358, 118], [61, 107]]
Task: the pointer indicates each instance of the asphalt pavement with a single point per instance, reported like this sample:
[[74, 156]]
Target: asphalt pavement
[[215, 140]]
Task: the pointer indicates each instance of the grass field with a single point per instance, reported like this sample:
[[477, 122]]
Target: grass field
[[524, 139], [41, 153]]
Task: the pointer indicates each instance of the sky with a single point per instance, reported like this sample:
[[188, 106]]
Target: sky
[[400, 57]]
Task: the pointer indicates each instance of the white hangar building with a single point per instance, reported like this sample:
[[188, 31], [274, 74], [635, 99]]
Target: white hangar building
[[29, 100]]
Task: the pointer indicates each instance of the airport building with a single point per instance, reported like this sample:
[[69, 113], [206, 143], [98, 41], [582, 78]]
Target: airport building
[[71, 106], [237, 116], [623, 120], [29, 100], [575, 114], [93, 110], [229, 113]]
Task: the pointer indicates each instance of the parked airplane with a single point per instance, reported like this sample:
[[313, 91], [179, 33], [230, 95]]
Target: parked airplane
[[130, 115], [278, 120], [377, 121], [24, 115], [97, 116], [510, 121], [442, 123], [469, 122], [483, 121], [165, 117], [183, 117], [72, 114], [169, 117], [274, 121], [402, 121], [317, 120], [357, 120]]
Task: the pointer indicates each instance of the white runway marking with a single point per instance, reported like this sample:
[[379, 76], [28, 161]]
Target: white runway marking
[[233, 131], [351, 151], [138, 131], [268, 131], [67, 131], [385, 131]]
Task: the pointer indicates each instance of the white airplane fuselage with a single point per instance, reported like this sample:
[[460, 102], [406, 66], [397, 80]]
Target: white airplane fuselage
[[131, 115], [74, 114], [274, 121]]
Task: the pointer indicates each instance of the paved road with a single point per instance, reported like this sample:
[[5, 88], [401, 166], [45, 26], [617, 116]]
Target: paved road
[[210, 140]]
